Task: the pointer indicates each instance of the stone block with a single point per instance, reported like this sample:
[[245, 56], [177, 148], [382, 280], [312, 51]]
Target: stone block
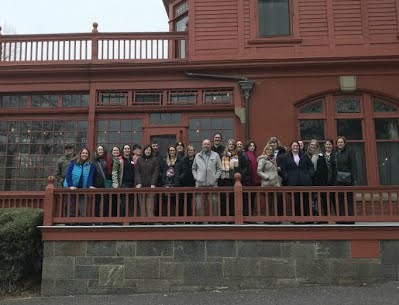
[[333, 249], [259, 249], [281, 268], [126, 248], [313, 271], [130, 283], [86, 272], [47, 287], [70, 287], [101, 248], [60, 267], [154, 248], [107, 260], [390, 252], [240, 267], [189, 251], [142, 268], [221, 248], [203, 274], [257, 283], [145, 286], [284, 283], [214, 259], [111, 276], [172, 270], [83, 261], [305, 249], [48, 248], [92, 283], [70, 248]]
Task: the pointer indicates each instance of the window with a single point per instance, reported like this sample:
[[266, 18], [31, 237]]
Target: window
[[387, 141], [274, 18], [204, 128], [218, 96], [183, 97], [45, 100], [29, 150], [147, 98], [113, 99], [119, 132], [163, 119]]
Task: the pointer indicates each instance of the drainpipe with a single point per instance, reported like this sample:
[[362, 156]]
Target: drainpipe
[[245, 84]]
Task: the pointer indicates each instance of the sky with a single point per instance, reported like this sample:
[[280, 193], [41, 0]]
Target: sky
[[77, 16]]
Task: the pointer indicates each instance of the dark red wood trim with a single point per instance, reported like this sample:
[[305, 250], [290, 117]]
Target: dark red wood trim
[[365, 248], [226, 232], [275, 41]]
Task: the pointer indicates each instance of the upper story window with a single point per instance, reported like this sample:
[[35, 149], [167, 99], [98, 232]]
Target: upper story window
[[274, 18]]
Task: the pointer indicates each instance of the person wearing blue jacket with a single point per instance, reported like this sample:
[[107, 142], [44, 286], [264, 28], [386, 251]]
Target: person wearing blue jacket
[[79, 174]]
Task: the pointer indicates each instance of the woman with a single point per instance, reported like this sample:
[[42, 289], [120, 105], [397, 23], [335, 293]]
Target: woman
[[345, 175], [169, 179], [330, 160], [320, 174], [231, 163], [249, 174], [298, 170], [123, 177], [186, 178], [267, 169], [146, 175], [102, 179], [79, 174], [115, 158]]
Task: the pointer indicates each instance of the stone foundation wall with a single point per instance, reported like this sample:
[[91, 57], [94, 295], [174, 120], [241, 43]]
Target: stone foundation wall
[[127, 267]]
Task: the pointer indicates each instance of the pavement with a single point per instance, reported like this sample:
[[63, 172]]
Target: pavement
[[385, 294]]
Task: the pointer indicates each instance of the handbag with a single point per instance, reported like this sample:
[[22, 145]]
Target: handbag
[[344, 178]]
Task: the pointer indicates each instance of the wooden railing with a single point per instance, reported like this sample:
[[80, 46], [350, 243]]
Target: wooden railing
[[232, 205], [22, 200], [95, 47]]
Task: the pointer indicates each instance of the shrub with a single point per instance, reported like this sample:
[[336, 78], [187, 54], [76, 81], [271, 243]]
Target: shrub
[[20, 246]]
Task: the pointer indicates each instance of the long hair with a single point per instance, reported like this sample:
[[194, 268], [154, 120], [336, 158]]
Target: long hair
[[226, 150], [317, 147], [78, 159], [168, 159]]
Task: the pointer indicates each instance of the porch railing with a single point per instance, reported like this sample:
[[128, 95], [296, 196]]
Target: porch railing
[[234, 205], [95, 47], [22, 200]]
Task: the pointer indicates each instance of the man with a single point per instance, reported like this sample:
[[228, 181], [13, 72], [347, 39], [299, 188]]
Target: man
[[63, 163], [244, 162], [206, 171], [217, 146]]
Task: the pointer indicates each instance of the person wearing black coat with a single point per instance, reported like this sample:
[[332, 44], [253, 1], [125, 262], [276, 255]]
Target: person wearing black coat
[[102, 179], [320, 177], [345, 163], [279, 153], [298, 170], [185, 178]]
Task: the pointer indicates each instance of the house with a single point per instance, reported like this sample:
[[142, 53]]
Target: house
[[317, 69]]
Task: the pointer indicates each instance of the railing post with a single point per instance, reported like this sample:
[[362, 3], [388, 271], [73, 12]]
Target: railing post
[[49, 202], [239, 219], [94, 42]]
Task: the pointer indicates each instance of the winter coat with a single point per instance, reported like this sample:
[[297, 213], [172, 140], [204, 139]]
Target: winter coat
[[185, 173], [146, 171], [345, 161], [267, 171], [219, 150], [297, 175], [321, 172], [101, 172], [331, 168], [206, 168], [251, 177], [62, 165], [79, 175]]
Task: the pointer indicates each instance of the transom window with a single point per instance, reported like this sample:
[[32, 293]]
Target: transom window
[[274, 18], [333, 116], [45, 100]]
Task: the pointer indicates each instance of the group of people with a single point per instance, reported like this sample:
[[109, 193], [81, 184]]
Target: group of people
[[214, 165]]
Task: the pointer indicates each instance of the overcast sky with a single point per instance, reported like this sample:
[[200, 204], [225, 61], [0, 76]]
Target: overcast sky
[[74, 16]]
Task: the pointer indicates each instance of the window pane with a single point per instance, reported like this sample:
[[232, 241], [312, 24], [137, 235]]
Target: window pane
[[358, 150], [381, 106], [386, 129], [315, 107], [273, 17], [347, 105], [388, 162], [350, 129], [311, 129]]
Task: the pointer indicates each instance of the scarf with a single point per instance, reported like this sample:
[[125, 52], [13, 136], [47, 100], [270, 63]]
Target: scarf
[[229, 162], [253, 168]]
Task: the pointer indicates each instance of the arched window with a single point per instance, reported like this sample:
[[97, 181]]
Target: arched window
[[369, 123]]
